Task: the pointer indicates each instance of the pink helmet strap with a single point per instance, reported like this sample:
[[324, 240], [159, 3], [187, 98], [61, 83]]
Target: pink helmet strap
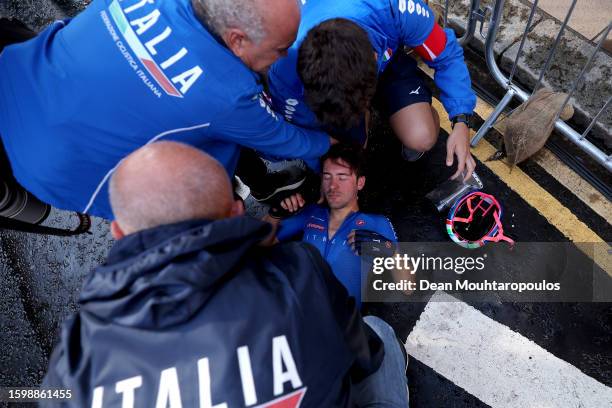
[[499, 236]]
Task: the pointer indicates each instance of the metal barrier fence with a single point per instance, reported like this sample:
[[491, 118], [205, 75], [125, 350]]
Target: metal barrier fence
[[476, 14]]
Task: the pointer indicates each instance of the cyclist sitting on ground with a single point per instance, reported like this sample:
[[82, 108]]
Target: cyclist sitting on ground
[[338, 229]]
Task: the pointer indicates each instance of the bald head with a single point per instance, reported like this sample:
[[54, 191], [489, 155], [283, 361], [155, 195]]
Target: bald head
[[280, 15], [168, 182]]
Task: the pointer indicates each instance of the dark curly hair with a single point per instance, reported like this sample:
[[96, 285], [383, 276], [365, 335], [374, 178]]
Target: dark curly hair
[[350, 154], [337, 67]]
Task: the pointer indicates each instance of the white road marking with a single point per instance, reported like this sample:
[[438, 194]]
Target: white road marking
[[495, 364]]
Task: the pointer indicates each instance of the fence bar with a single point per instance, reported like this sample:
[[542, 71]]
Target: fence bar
[[445, 13], [471, 26], [551, 54], [602, 110], [584, 70], [520, 50], [488, 124], [560, 126], [513, 90], [584, 144], [494, 24], [496, 15]]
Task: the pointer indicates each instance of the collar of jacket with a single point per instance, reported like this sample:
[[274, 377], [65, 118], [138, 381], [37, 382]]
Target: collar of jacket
[[162, 276]]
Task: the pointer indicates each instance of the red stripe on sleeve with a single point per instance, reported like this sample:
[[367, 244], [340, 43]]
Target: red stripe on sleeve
[[433, 46]]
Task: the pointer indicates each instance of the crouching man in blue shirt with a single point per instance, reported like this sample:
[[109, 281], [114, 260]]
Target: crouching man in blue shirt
[[350, 53], [189, 311], [338, 229]]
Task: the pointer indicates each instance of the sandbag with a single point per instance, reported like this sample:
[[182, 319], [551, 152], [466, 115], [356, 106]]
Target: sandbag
[[529, 126]]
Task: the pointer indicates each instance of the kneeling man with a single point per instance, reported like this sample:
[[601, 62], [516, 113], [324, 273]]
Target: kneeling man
[[189, 311]]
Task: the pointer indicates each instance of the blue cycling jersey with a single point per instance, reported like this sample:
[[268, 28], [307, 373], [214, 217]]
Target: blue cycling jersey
[[390, 25], [86, 92], [313, 223]]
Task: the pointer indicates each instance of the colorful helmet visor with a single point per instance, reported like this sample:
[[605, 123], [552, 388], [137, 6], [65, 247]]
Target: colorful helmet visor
[[475, 219]]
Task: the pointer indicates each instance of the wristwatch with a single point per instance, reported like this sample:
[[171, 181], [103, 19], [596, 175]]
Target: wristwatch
[[464, 118]]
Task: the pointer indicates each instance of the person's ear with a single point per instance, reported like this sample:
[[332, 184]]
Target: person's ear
[[237, 208], [116, 231], [361, 182], [236, 40]]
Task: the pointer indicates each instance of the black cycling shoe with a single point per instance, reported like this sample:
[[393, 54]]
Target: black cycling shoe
[[310, 191], [275, 184], [411, 155]]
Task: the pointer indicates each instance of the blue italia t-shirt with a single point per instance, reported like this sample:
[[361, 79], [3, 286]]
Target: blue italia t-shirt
[[390, 25], [313, 223], [86, 92]]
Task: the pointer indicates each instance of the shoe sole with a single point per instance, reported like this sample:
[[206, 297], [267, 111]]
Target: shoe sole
[[281, 189], [412, 159], [241, 189]]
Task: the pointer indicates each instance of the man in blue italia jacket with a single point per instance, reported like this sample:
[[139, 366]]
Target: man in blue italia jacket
[[189, 311], [349, 53], [86, 92]]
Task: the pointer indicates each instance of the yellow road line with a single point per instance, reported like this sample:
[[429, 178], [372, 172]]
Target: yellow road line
[[547, 205], [527, 188], [560, 172], [555, 213], [537, 197], [552, 165]]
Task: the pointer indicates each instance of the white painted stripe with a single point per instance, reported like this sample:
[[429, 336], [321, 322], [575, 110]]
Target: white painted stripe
[[495, 364], [111, 171], [431, 54]]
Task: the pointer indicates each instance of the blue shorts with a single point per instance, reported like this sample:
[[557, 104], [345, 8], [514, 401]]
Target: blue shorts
[[401, 84]]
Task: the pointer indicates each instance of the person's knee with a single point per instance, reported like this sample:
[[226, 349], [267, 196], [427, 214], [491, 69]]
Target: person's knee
[[420, 138], [417, 131]]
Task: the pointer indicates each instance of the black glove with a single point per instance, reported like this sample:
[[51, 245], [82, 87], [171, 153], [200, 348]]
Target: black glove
[[374, 244]]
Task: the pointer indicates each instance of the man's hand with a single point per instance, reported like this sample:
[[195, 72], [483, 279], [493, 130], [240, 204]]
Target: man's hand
[[293, 203], [458, 144], [379, 245]]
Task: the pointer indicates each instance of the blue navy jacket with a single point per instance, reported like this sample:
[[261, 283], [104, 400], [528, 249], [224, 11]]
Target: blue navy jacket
[[197, 312], [86, 92], [390, 25]]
